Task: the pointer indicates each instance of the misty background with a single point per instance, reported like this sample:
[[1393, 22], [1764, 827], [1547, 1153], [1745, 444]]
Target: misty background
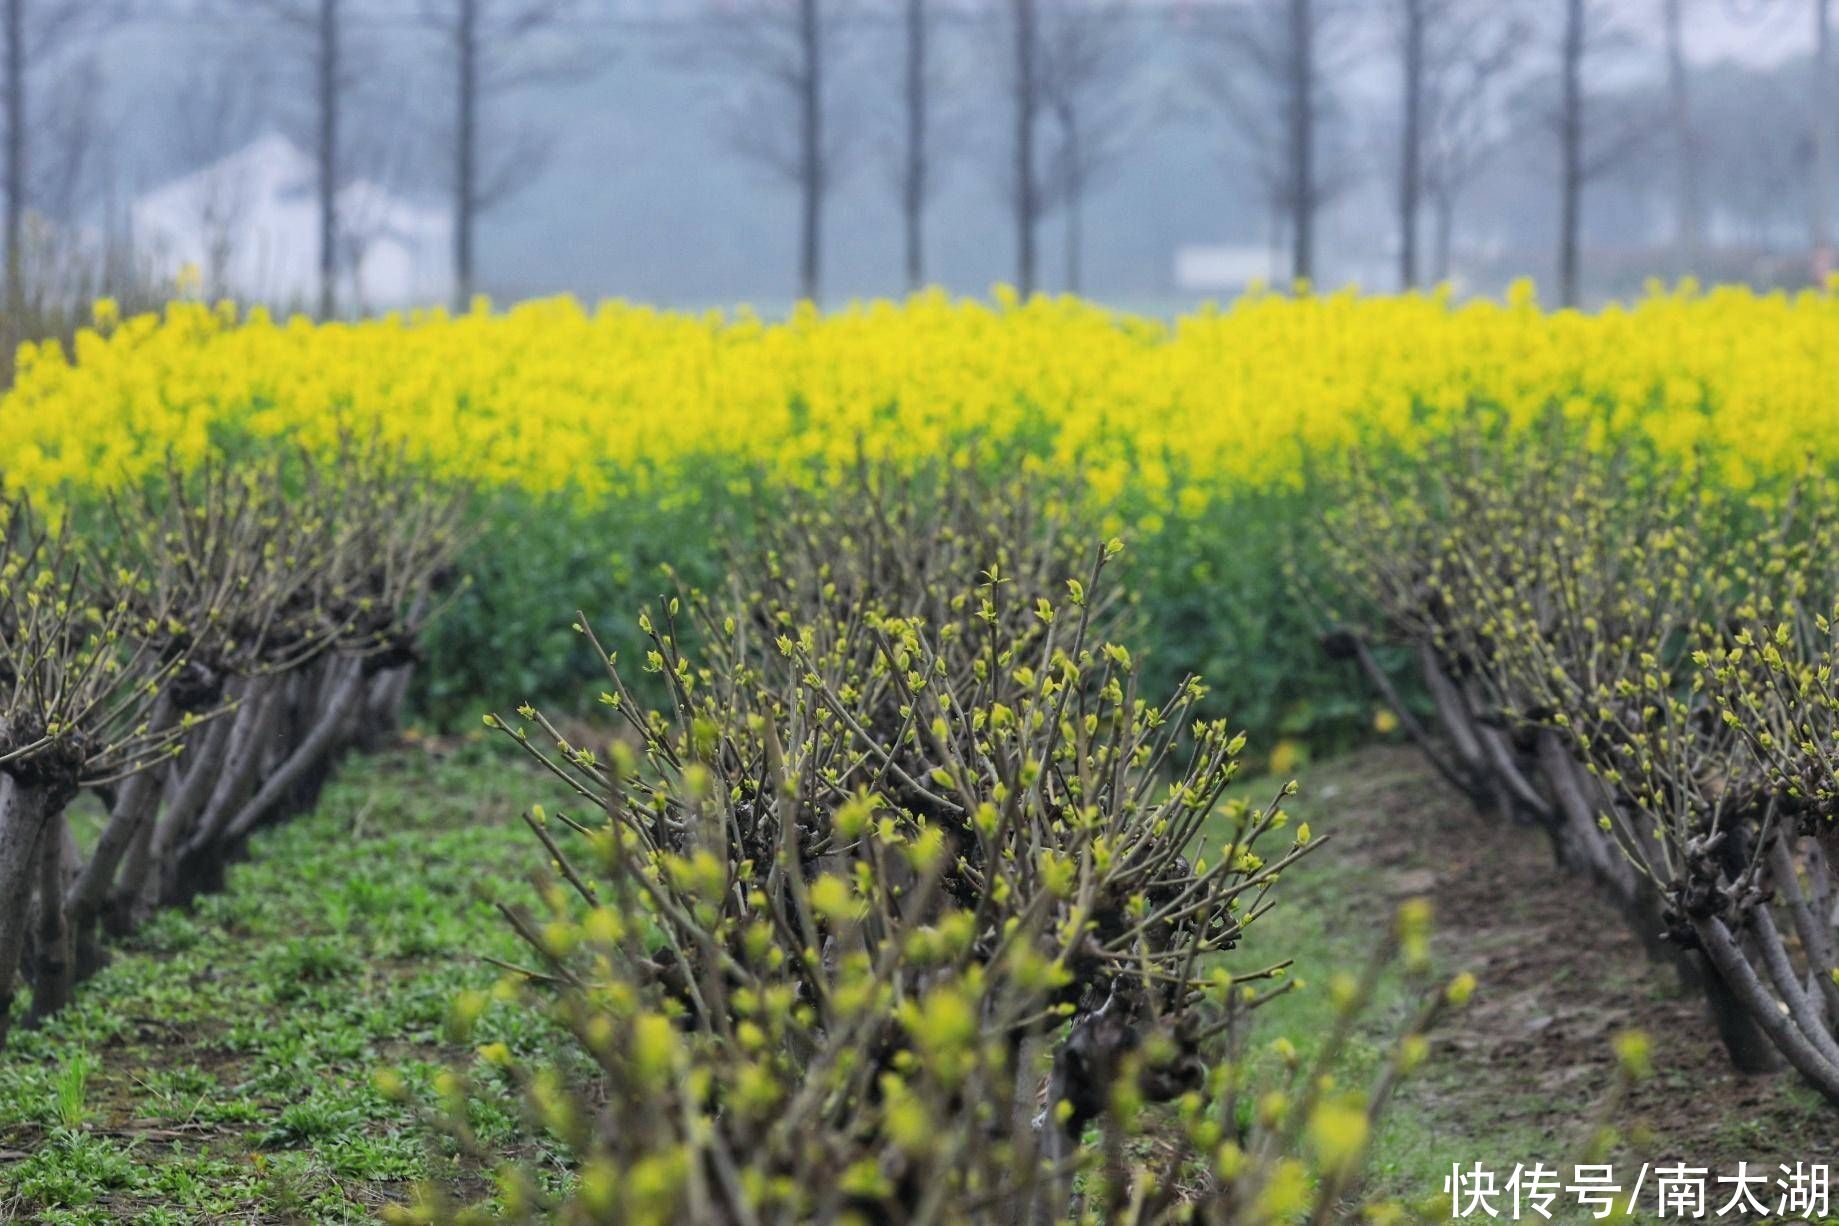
[[695, 153]]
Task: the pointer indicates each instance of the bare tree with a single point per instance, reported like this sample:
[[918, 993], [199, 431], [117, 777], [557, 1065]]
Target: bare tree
[[1025, 99], [321, 27], [215, 118], [919, 20], [1088, 54], [35, 36], [1588, 145], [16, 119], [1820, 123], [1413, 17], [1761, 182], [497, 46], [1689, 208], [788, 49], [328, 61], [1458, 58], [1266, 65], [1571, 147], [379, 162], [1014, 43], [1300, 96]]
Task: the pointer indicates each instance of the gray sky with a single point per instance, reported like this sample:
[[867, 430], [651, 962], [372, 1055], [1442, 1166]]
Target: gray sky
[[645, 197]]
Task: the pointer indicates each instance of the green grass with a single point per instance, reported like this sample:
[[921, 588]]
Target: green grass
[[1332, 917], [220, 1068]]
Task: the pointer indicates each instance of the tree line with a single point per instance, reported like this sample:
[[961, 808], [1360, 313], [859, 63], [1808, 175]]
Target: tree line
[[1069, 77]]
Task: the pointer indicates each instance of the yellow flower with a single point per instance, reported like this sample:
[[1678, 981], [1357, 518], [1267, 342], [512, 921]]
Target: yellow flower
[[1286, 756], [550, 395]]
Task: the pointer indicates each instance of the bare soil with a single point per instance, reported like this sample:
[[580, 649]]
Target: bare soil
[[1561, 974]]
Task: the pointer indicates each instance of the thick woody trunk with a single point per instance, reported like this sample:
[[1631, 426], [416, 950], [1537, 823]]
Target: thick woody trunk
[[332, 724], [1815, 933], [143, 881], [383, 707], [22, 822], [1760, 1009], [192, 867], [54, 973], [136, 804]]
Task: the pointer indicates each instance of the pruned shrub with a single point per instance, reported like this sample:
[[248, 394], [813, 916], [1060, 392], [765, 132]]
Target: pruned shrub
[[78, 676], [1638, 665], [196, 653], [881, 916]]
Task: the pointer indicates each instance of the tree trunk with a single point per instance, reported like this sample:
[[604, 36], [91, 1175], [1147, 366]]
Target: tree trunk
[[135, 803], [328, 83], [1820, 202], [194, 866], [15, 35], [913, 181], [466, 142], [135, 806], [1748, 1047], [1302, 141], [54, 976], [1410, 170], [1689, 236], [1444, 220], [144, 879], [812, 171], [22, 823], [1571, 152], [383, 707], [1027, 102], [1759, 1008], [1074, 189], [321, 740]]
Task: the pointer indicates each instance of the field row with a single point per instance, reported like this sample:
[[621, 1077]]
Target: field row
[[894, 679], [611, 442]]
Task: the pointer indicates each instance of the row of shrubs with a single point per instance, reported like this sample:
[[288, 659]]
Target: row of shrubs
[[181, 665], [605, 437], [1640, 663], [883, 892]]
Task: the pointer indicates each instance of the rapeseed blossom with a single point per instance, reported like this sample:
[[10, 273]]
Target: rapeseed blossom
[[552, 396]]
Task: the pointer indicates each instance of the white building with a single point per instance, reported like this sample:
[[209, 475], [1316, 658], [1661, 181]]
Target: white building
[[250, 224], [1205, 269]]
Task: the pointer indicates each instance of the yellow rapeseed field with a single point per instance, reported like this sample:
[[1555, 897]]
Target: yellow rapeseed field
[[550, 395]]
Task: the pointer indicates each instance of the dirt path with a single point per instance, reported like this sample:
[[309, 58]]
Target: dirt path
[[1528, 1065]]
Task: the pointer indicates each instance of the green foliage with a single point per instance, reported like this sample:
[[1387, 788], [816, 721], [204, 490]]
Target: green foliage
[[72, 1088], [529, 558], [1210, 592]]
